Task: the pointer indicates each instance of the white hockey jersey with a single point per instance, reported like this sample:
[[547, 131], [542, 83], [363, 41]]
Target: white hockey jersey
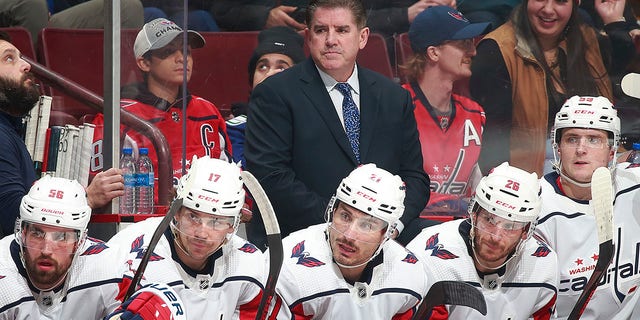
[[524, 289], [569, 227], [232, 288], [313, 287], [89, 292]]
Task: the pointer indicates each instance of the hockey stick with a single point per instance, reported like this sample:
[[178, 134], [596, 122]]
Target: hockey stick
[[175, 206], [276, 253], [631, 85], [602, 203], [451, 293]]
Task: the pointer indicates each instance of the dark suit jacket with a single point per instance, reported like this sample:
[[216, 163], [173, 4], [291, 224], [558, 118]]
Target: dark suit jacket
[[297, 148]]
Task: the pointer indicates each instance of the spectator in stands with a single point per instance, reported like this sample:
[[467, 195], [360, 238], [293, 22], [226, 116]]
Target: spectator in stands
[[494, 11], [310, 126], [543, 48], [450, 125], [278, 49], [30, 14], [159, 99], [199, 18], [89, 14], [18, 94], [383, 16]]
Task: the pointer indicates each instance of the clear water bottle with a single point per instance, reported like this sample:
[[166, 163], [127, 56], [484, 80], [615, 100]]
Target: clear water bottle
[[128, 167], [634, 155], [144, 182]]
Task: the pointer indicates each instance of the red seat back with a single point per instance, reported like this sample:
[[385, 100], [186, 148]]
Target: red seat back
[[77, 54], [21, 38], [220, 67]]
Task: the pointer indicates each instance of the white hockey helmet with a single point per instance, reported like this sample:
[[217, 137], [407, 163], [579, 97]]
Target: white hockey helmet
[[213, 186], [510, 193], [587, 113], [56, 202], [374, 191]]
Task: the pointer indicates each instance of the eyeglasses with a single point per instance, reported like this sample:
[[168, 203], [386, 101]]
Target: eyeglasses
[[343, 220], [35, 237], [192, 220], [486, 221], [593, 142], [464, 44]]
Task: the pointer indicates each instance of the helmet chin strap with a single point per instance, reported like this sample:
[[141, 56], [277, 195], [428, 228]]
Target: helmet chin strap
[[565, 177]]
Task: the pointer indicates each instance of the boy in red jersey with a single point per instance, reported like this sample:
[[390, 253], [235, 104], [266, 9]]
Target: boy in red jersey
[[158, 51]]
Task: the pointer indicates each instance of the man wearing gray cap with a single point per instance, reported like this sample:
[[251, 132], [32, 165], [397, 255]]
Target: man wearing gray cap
[[158, 99]]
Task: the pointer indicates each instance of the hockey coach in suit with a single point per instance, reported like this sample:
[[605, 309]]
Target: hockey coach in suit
[[314, 123]]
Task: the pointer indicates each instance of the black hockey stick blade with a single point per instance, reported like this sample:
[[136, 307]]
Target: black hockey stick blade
[[274, 240], [164, 224], [451, 293], [602, 203]]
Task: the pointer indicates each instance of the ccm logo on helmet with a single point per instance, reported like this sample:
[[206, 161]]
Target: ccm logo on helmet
[[366, 196], [584, 111], [206, 198], [504, 204]]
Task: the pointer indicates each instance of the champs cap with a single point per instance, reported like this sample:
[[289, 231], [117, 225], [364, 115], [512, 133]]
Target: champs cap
[[435, 25], [158, 33]]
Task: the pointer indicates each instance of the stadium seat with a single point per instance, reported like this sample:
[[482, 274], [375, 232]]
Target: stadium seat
[[403, 52], [21, 38], [220, 68], [375, 56], [77, 54], [219, 75]]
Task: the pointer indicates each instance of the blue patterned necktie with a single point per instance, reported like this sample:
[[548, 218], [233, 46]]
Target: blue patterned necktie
[[351, 118]]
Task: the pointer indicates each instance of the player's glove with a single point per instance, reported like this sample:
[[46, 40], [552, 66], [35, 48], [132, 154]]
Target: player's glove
[[151, 302]]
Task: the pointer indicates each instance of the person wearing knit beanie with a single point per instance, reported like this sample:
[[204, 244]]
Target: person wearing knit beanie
[[278, 49]]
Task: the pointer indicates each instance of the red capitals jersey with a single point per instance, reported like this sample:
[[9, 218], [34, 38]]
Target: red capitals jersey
[[206, 133], [450, 145]]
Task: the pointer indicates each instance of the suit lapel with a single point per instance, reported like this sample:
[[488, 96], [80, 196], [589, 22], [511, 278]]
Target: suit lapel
[[369, 105], [314, 89]]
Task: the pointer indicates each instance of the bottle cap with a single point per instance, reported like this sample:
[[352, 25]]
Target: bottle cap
[[143, 151], [127, 151]]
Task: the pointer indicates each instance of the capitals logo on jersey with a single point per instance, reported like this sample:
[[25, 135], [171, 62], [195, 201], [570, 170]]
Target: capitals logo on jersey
[[248, 248], [410, 258], [137, 246], [438, 249], [542, 251], [303, 257], [95, 249]]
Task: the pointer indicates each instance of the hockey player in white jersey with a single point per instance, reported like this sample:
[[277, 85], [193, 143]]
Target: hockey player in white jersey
[[348, 268], [494, 250], [217, 274], [585, 137], [48, 268]]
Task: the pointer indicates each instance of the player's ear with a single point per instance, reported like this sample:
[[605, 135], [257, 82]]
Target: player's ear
[[143, 64]]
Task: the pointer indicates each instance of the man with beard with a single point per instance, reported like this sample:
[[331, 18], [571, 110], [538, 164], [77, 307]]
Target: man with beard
[[18, 94], [347, 266], [50, 269], [493, 250]]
